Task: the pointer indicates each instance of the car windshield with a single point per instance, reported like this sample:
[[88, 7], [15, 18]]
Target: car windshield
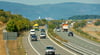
[[42, 30], [33, 36], [32, 31], [58, 28], [49, 48], [42, 33]]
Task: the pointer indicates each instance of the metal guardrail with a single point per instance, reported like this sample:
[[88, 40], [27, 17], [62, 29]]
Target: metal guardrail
[[76, 48], [80, 49]]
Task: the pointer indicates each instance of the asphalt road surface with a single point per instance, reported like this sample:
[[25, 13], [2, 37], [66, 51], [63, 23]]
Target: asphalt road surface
[[42, 43], [78, 42]]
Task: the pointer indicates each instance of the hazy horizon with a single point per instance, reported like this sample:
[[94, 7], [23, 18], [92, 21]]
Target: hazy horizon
[[41, 2]]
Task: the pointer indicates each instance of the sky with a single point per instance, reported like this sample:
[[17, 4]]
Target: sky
[[39, 2]]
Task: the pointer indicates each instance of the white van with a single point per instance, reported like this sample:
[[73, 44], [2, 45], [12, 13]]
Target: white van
[[32, 32]]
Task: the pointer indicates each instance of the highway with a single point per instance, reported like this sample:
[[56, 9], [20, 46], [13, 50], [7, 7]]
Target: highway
[[40, 45], [83, 46]]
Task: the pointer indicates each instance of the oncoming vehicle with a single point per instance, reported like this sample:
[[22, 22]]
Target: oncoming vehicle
[[33, 37], [50, 50], [43, 35], [58, 29], [70, 34]]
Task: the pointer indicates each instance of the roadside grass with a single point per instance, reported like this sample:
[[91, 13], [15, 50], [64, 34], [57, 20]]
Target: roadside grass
[[54, 39], [98, 33], [59, 42], [56, 36], [85, 35], [15, 46]]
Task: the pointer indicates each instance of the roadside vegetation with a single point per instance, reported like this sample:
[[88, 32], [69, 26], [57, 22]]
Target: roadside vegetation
[[97, 23], [51, 26], [14, 23], [77, 28]]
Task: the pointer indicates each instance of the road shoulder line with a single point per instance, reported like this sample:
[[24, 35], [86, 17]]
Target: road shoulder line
[[88, 41], [32, 46], [59, 45]]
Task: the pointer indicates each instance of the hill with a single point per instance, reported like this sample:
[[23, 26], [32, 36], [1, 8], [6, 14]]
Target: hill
[[78, 17], [56, 11]]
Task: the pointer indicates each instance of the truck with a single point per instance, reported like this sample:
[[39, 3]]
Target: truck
[[36, 27], [65, 27]]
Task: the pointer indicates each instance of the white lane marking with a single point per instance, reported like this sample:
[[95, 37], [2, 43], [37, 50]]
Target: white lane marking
[[26, 53], [32, 46], [60, 46], [87, 41]]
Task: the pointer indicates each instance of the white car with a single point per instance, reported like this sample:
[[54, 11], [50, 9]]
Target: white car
[[50, 50], [32, 32]]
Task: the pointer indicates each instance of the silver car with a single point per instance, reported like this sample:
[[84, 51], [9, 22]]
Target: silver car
[[42, 35]]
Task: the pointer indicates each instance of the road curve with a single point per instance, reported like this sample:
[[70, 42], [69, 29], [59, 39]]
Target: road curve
[[78, 42], [26, 45], [42, 43]]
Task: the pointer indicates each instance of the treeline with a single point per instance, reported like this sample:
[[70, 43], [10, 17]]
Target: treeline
[[41, 22], [14, 22], [5, 16], [79, 17]]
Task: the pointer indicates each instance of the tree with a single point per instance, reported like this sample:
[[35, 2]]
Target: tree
[[11, 26]]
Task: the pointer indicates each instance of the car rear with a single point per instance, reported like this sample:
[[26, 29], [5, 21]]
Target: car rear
[[33, 38], [42, 35], [50, 50], [32, 32]]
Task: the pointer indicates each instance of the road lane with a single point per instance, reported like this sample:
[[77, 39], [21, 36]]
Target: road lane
[[28, 49], [42, 43], [79, 42]]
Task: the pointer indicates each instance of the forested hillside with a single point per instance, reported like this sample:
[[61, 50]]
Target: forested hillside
[[78, 17]]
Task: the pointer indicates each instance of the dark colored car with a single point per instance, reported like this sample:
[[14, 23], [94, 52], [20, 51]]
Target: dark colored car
[[70, 34], [42, 30], [33, 38]]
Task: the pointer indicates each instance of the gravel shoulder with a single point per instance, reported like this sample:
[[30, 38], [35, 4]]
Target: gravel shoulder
[[2, 43]]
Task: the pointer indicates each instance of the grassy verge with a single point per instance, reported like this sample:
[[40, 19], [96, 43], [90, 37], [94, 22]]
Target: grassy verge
[[83, 34], [16, 47], [56, 36]]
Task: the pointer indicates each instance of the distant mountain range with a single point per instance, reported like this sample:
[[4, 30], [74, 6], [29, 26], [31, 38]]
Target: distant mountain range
[[56, 11]]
